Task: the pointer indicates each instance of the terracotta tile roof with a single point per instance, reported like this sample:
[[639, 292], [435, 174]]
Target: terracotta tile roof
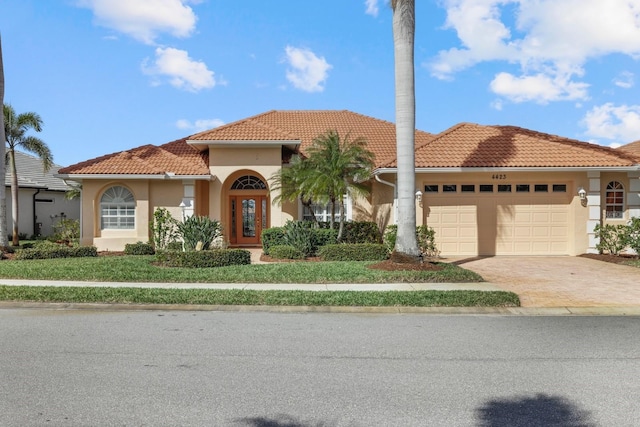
[[175, 156], [304, 126], [472, 145], [633, 149]]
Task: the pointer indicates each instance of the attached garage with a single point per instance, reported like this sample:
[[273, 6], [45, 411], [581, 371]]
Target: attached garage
[[504, 219]]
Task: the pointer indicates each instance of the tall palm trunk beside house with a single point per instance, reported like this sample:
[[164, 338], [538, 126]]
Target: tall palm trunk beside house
[[406, 248]]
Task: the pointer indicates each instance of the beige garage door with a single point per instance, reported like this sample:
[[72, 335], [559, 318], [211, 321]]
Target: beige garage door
[[499, 224]]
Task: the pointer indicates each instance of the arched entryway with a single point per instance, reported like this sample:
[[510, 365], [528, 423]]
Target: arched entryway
[[248, 210]]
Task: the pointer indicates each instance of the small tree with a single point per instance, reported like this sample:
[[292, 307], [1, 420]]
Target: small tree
[[16, 127], [612, 238], [163, 228], [338, 166], [291, 184]]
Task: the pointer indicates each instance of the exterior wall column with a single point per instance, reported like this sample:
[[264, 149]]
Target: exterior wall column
[[594, 200], [633, 195]]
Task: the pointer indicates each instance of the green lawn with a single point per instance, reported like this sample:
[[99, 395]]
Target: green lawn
[[141, 269], [253, 297]]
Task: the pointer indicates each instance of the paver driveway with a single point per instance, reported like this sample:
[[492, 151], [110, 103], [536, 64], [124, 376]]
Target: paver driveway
[[561, 281]]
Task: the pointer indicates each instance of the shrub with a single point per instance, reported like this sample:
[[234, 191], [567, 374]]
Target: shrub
[[325, 236], [389, 237], [67, 230], [174, 246], [199, 229], [612, 238], [272, 237], [361, 232], [164, 228], [426, 241], [52, 250], [354, 252], [301, 235], [139, 248], [285, 252], [632, 236], [425, 236], [204, 259]]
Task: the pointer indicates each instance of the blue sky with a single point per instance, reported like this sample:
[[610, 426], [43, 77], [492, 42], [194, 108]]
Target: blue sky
[[108, 75]]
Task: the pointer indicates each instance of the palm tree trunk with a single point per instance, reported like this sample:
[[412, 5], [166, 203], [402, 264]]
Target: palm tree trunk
[[341, 223], [15, 241], [403, 42], [332, 220], [4, 240]]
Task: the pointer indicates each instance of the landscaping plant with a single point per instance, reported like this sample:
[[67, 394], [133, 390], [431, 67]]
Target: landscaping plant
[[164, 228], [612, 238], [198, 232], [67, 231]]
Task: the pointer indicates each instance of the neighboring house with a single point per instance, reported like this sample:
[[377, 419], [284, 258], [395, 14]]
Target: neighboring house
[[41, 197], [486, 190]]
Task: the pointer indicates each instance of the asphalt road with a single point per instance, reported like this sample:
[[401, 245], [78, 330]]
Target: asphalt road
[[83, 368]]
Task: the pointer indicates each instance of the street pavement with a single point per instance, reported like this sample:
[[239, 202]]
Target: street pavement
[[168, 368]]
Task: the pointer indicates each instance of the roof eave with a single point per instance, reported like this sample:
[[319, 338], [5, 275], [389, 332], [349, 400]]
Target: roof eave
[[205, 143], [634, 168], [164, 176]]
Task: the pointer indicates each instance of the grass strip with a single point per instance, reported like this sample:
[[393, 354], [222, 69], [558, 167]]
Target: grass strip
[[140, 268], [429, 298]]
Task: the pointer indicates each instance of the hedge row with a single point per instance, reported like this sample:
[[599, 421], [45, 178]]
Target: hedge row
[[354, 252], [139, 248], [285, 252], [56, 251], [204, 259]]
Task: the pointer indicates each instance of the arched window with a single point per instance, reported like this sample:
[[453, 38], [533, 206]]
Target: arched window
[[614, 200], [248, 182], [117, 209]]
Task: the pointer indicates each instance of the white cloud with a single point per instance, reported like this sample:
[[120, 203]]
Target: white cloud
[[144, 20], [372, 7], [199, 125], [613, 122], [540, 88], [550, 41], [181, 71], [625, 80], [307, 72]]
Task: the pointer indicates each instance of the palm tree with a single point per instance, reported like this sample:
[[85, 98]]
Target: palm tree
[[4, 240], [290, 183], [338, 166], [403, 43], [15, 128]]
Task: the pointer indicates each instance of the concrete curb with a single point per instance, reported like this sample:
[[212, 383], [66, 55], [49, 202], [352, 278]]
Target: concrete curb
[[471, 311]]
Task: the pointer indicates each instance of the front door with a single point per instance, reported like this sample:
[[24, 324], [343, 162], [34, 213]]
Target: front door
[[248, 218]]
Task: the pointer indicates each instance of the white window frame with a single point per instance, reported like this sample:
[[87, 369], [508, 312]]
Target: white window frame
[[117, 209], [323, 212], [614, 209]]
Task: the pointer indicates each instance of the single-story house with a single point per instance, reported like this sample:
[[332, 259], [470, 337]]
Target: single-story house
[[486, 190], [41, 197]]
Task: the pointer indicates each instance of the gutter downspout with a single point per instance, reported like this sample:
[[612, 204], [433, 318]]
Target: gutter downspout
[[35, 217], [395, 197]]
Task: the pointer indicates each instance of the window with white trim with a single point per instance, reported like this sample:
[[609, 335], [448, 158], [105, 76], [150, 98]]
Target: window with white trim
[[117, 209], [614, 200], [323, 212]]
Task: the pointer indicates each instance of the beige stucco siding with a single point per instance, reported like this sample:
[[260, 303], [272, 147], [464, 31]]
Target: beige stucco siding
[[229, 163], [114, 240]]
